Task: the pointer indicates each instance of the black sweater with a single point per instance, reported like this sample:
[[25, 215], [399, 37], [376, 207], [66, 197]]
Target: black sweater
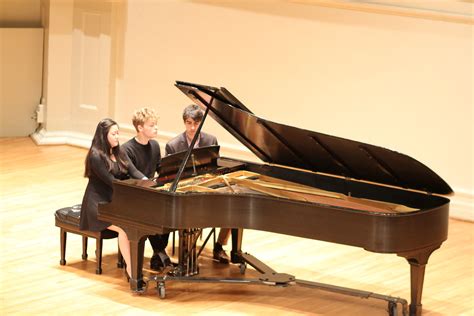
[[146, 158]]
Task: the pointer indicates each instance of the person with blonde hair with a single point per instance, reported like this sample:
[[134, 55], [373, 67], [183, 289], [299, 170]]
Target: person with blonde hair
[[144, 153]]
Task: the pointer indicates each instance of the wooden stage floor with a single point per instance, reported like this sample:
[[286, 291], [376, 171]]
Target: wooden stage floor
[[37, 180]]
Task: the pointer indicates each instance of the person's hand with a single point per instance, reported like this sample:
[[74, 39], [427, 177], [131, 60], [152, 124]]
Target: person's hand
[[146, 183]]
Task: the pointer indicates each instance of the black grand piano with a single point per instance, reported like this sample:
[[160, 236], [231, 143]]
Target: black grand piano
[[310, 185]]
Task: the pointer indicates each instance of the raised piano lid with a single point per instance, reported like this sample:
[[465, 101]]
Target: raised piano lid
[[295, 147]]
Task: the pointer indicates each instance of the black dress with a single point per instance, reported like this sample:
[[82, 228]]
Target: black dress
[[99, 189]]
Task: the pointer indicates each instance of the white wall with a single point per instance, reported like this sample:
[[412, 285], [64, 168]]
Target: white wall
[[21, 54], [399, 82], [21, 51], [20, 13]]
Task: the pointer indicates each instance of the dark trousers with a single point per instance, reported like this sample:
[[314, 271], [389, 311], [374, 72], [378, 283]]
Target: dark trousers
[[159, 242]]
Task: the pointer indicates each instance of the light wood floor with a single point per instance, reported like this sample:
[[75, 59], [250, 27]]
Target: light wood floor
[[37, 180]]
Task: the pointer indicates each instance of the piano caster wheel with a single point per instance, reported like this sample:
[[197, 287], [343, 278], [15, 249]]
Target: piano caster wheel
[[161, 290], [243, 267], [392, 309]]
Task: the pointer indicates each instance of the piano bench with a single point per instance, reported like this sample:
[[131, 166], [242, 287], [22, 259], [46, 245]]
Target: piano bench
[[67, 219]]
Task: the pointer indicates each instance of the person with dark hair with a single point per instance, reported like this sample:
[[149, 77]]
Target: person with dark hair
[[105, 162], [192, 117], [144, 153]]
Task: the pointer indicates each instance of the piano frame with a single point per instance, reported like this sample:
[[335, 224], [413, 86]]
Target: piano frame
[[143, 211], [428, 227]]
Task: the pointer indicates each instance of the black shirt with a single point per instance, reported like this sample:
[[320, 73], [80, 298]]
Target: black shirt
[[146, 158]]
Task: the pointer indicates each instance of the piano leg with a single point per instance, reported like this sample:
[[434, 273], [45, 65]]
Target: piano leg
[[417, 261], [137, 246]]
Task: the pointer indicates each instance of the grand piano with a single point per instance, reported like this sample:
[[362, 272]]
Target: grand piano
[[310, 185]]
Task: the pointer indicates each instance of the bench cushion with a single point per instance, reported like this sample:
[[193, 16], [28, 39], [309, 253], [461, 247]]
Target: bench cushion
[[69, 218], [70, 215]]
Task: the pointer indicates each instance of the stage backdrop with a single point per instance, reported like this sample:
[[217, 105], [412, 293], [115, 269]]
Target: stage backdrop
[[400, 82]]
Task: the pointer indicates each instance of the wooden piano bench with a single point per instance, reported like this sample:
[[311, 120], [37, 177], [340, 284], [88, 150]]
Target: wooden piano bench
[[67, 219]]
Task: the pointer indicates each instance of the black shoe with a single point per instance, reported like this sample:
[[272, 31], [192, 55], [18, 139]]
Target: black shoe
[[159, 260], [219, 254]]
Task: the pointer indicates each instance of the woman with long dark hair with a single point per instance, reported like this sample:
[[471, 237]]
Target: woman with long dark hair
[[105, 162]]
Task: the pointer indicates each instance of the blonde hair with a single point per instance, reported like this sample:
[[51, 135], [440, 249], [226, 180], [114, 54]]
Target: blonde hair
[[142, 115]]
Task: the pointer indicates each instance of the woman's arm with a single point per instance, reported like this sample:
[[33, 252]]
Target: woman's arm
[[134, 172], [100, 169]]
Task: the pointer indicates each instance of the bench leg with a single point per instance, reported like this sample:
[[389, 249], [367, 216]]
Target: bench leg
[[98, 255], [62, 238], [84, 247]]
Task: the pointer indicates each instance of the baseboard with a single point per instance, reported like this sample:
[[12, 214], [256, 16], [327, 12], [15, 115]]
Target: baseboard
[[461, 206], [43, 137]]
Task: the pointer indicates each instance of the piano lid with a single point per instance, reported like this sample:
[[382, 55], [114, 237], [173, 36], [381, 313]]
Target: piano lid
[[290, 146]]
